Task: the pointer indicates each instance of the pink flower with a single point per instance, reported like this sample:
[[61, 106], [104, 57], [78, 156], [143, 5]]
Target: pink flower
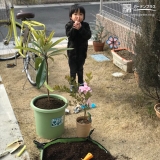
[[84, 89], [113, 42]]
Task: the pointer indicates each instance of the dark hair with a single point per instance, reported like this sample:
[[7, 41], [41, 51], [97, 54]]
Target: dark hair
[[74, 8]]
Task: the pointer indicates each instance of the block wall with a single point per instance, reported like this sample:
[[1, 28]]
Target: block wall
[[124, 33]]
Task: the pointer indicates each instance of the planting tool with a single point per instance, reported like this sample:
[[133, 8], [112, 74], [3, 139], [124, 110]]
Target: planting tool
[[11, 147], [21, 151], [88, 156]]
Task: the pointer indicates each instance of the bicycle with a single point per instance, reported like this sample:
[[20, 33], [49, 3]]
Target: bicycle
[[9, 39]]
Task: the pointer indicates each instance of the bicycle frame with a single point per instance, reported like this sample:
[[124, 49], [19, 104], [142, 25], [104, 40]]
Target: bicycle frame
[[31, 25], [17, 42], [13, 26]]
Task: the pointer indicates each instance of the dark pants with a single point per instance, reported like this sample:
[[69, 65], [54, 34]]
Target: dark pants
[[76, 67]]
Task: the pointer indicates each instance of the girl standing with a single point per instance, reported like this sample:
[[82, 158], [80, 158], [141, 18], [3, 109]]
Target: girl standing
[[78, 33]]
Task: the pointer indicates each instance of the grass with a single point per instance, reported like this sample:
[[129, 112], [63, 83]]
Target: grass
[[124, 119]]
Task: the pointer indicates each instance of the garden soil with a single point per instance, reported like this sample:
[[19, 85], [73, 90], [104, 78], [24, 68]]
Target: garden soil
[[124, 120]]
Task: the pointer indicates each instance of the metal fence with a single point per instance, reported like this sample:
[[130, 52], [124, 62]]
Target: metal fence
[[124, 12], [4, 11]]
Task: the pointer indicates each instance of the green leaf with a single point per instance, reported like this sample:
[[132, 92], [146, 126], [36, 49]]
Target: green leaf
[[38, 61], [48, 87], [35, 34], [28, 49], [51, 58], [58, 51], [58, 41], [41, 74], [51, 36], [48, 47]]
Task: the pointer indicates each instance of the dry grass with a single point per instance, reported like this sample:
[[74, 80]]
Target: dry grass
[[124, 120]]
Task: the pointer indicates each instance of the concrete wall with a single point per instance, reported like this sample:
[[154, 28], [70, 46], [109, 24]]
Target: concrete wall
[[67, 1], [124, 33], [51, 1]]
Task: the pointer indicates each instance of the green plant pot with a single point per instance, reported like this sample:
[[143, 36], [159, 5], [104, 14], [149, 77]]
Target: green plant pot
[[49, 123]]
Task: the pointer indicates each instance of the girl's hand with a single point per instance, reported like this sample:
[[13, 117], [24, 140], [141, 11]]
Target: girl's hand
[[77, 25]]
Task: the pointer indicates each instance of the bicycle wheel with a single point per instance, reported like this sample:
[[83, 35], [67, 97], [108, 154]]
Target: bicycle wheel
[[7, 44], [29, 64]]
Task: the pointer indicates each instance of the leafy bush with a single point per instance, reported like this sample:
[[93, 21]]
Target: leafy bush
[[147, 49]]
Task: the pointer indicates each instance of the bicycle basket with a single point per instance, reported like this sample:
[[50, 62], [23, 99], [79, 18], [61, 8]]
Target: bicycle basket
[[4, 11]]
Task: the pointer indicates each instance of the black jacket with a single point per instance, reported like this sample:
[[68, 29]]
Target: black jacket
[[78, 39]]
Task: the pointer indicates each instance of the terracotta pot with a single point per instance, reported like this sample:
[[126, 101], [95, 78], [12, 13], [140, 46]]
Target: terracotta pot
[[122, 63], [98, 46], [157, 110], [83, 129]]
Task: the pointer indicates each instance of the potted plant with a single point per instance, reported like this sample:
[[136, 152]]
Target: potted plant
[[49, 109], [81, 96], [99, 33], [157, 109]]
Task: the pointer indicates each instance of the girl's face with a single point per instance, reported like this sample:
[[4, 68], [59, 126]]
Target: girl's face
[[77, 16]]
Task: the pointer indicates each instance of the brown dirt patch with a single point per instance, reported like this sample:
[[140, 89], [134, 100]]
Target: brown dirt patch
[[75, 150], [124, 120], [126, 54], [52, 103]]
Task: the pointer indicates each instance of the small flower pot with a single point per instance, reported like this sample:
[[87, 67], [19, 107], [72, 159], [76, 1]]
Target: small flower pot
[[98, 46], [83, 129], [157, 109]]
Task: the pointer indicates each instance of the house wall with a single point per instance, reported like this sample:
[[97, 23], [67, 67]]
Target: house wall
[[124, 33]]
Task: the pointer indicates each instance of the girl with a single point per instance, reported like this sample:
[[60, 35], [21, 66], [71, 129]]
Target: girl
[[78, 33]]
